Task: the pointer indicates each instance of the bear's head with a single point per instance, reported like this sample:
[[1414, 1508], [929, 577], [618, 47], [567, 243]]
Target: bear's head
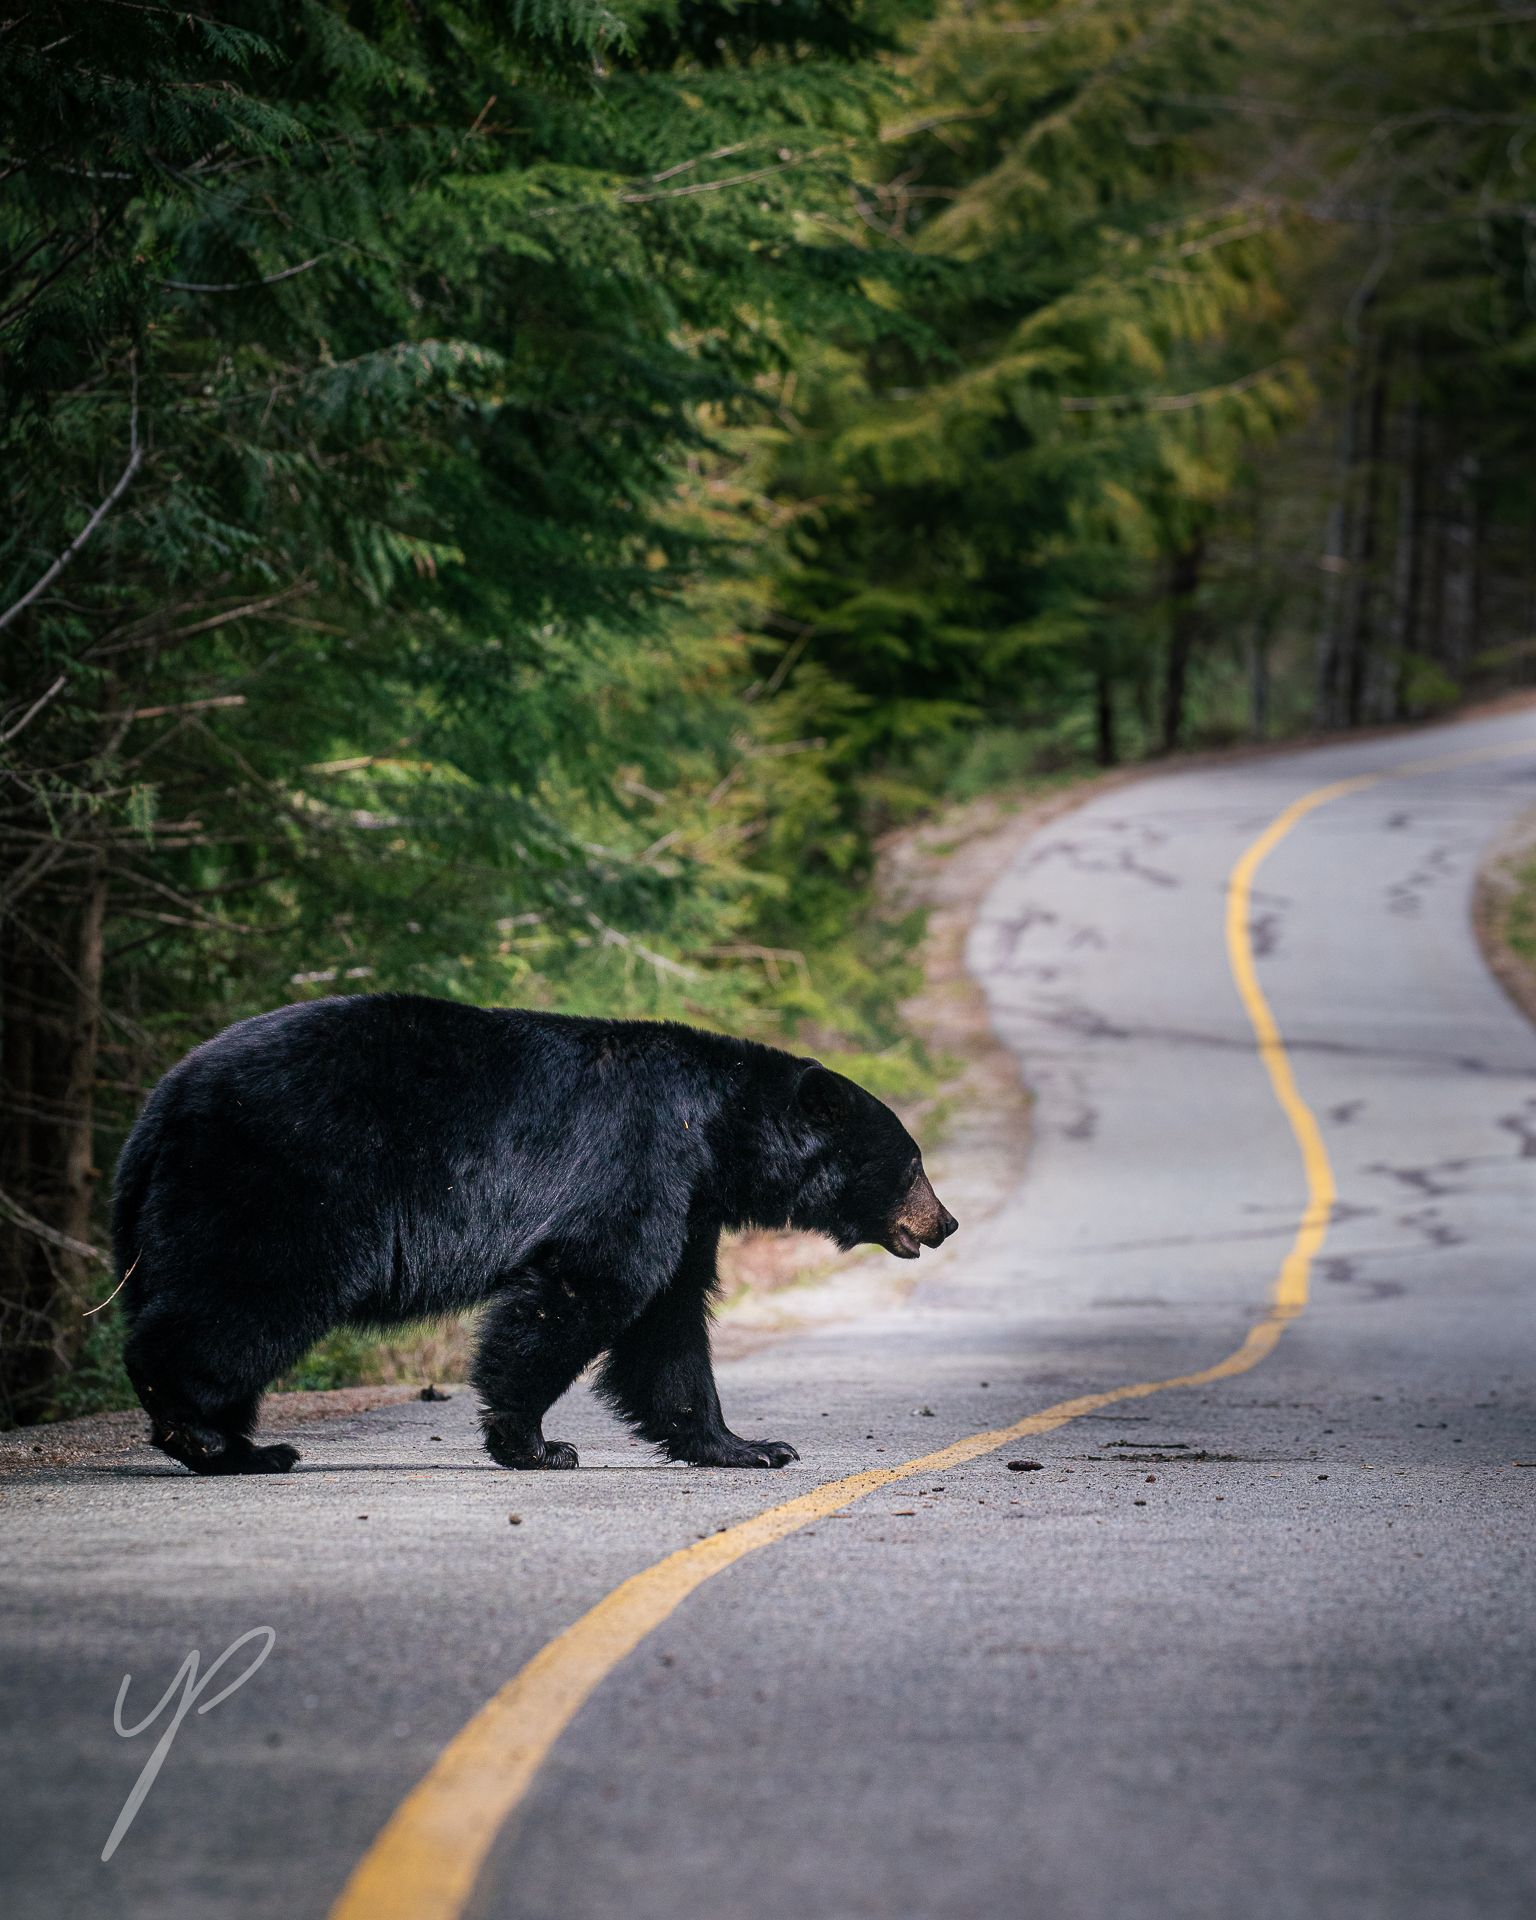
[[862, 1175]]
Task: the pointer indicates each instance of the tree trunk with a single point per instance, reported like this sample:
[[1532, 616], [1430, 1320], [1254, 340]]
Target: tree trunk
[[1144, 698], [1335, 564], [80, 1171], [17, 1055], [1432, 558], [21, 1293], [1362, 562], [32, 1169], [1104, 691], [1462, 557], [1406, 567], [1258, 632], [1182, 629], [1258, 675]]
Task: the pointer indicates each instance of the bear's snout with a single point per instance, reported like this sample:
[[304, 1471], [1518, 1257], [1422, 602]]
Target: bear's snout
[[922, 1220]]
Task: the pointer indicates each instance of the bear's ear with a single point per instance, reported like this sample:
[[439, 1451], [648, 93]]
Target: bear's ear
[[824, 1098]]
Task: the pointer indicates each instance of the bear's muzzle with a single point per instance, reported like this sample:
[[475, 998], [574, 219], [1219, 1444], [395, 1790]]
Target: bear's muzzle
[[921, 1221]]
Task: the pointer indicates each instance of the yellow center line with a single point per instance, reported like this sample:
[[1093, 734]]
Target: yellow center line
[[424, 1864]]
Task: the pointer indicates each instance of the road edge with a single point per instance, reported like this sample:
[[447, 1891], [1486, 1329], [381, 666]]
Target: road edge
[[1494, 889]]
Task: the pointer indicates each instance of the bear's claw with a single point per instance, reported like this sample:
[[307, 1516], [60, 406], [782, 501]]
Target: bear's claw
[[729, 1451]]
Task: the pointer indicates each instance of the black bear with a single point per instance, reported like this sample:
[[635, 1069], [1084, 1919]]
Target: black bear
[[369, 1159]]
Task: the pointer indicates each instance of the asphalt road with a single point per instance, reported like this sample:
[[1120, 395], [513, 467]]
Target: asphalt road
[[1286, 1669]]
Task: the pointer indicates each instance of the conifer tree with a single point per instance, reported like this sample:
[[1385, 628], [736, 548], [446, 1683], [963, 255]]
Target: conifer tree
[[1401, 140], [349, 358], [1013, 521]]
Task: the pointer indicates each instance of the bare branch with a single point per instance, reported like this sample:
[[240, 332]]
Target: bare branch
[[29, 1223], [731, 180], [187, 706], [770, 957], [136, 454], [613, 938], [154, 629], [1244, 232], [720, 153], [904, 130], [35, 708], [241, 286], [790, 655], [749, 753], [207, 922], [699, 186]]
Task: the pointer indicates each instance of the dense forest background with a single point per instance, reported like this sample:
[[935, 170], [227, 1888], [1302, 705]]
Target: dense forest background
[[512, 501]]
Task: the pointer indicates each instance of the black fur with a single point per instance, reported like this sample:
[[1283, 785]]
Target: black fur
[[363, 1161]]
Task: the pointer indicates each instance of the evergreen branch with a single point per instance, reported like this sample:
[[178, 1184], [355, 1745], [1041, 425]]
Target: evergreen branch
[[14, 265], [87, 243], [136, 454], [1172, 402]]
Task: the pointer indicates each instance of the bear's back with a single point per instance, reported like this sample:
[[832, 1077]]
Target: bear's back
[[378, 1138]]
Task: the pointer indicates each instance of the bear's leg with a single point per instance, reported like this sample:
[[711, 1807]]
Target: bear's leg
[[658, 1377], [534, 1341], [202, 1422]]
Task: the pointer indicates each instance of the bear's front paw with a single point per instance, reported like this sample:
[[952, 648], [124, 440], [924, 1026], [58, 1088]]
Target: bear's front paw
[[279, 1459], [527, 1456], [727, 1450]]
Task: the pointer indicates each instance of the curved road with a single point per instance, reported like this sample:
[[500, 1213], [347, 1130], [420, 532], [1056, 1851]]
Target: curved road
[[1262, 1644]]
